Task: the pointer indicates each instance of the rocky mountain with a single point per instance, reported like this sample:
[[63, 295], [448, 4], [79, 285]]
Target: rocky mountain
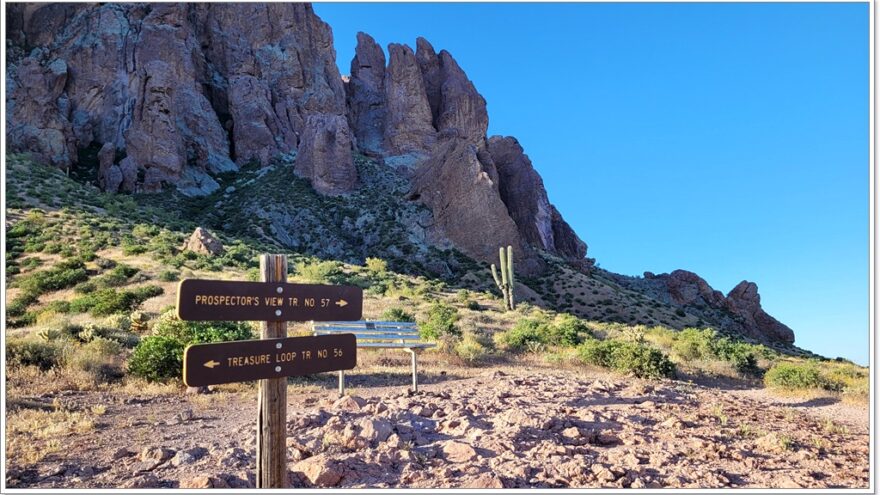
[[177, 96]]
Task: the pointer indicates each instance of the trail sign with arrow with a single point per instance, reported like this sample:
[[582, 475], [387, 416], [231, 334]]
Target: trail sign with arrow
[[224, 300], [245, 360], [275, 356]]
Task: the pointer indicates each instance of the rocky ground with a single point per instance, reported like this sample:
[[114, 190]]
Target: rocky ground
[[510, 427]]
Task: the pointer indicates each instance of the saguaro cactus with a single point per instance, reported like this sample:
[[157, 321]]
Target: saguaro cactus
[[505, 283]]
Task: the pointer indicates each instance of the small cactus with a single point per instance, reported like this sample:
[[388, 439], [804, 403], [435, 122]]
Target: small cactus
[[138, 322], [505, 283]]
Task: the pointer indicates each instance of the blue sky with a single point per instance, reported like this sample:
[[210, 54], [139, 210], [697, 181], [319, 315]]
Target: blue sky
[[726, 139]]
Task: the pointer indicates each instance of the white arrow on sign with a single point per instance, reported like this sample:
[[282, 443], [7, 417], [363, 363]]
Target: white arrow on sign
[[211, 364]]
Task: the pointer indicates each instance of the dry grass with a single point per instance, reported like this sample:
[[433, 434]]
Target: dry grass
[[32, 434], [32, 381]]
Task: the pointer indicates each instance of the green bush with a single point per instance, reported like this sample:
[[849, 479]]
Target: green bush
[[526, 333], [794, 376], [33, 352], [693, 344], [160, 356], [320, 272], [65, 274], [567, 331], [440, 322], [741, 355], [157, 358], [106, 302], [169, 276], [627, 357], [397, 314], [471, 349], [200, 332], [377, 266]]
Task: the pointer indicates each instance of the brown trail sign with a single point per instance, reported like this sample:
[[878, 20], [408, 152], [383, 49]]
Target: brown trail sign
[[275, 356], [245, 360], [224, 300]]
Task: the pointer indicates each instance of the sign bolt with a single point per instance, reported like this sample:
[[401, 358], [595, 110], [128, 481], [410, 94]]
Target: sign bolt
[[279, 289], [278, 369], [278, 345], [277, 312]]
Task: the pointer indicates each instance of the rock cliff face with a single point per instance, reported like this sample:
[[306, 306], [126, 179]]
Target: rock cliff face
[[184, 91], [175, 94], [738, 312]]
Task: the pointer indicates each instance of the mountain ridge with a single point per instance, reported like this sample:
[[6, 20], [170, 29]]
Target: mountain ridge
[[178, 95]]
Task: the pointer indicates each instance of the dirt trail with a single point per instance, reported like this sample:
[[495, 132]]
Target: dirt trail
[[502, 427]]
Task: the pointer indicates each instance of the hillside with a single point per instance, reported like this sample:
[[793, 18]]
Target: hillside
[[91, 277]]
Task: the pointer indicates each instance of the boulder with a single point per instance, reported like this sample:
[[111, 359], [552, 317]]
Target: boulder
[[156, 454], [324, 156], [457, 452], [320, 470], [485, 480], [375, 429], [201, 241], [348, 403], [203, 481]]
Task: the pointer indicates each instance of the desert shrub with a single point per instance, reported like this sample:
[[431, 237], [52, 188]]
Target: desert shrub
[[397, 314], [98, 358], [463, 296], [474, 306], [471, 349], [65, 274], [794, 376], [118, 275], [440, 321], [740, 354], [44, 354], [169, 276], [627, 357], [157, 358], [527, 333], [110, 301], [198, 332], [567, 331], [160, 356], [319, 272], [693, 344], [377, 266]]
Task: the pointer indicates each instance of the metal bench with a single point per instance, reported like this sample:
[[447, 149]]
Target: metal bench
[[378, 334]]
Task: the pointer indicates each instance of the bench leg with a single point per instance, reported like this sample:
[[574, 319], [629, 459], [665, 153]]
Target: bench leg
[[341, 383], [415, 367]]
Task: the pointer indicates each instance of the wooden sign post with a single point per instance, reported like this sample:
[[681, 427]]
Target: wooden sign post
[[272, 396], [275, 356]]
